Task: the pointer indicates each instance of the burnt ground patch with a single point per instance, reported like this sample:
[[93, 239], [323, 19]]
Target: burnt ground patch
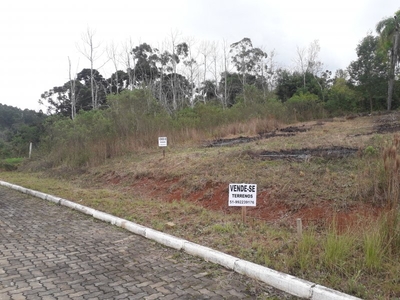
[[283, 132], [335, 152], [387, 128], [295, 129], [388, 123]]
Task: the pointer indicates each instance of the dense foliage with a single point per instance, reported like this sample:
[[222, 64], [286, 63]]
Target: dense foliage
[[18, 128]]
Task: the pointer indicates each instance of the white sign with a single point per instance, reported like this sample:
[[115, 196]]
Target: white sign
[[162, 141], [242, 194]]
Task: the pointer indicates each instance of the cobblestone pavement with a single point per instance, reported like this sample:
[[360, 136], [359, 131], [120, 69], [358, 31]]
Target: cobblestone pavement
[[51, 252]]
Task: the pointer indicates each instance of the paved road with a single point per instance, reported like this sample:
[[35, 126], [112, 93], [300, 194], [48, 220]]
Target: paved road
[[51, 252]]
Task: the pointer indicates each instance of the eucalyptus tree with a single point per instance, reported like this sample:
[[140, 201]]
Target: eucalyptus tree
[[388, 30], [191, 69], [145, 70], [166, 63], [247, 59]]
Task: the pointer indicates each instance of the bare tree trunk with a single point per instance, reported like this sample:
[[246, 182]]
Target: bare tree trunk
[[225, 101], [89, 51], [127, 60], [301, 63], [174, 63], [73, 89], [112, 54], [393, 61]]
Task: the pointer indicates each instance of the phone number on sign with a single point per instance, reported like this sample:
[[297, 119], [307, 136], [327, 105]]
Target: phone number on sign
[[241, 202]]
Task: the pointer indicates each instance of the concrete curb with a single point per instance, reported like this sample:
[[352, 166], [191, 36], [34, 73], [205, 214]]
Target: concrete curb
[[287, 283]]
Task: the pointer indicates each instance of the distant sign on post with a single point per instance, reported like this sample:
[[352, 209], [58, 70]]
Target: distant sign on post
[[162, 141], [242, 194]]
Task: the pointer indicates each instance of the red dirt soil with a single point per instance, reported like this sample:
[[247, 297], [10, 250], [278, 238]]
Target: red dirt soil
[[214, 196]]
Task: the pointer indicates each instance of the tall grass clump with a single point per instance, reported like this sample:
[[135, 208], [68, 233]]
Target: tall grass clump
[[338, 250], [306, 250], [373, 249]]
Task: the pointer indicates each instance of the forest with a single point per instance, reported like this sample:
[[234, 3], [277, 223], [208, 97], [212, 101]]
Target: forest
[[192, 91]]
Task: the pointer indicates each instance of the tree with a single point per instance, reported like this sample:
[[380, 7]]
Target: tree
[[367, 73], [247, 59], [191, 70], [290, 83], [113, 56], [232, 83], [388, 30], [145, 64], [18, 128], [271, 73], [98, 85], [287, 84], [167, 65], [169, 91], [72, 91], [208, 90], [126, 58], [117, 82], [59, 98], [308, 63], [90, 52], [342, 98]]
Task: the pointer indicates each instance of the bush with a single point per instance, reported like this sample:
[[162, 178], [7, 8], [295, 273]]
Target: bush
[[304, 107]]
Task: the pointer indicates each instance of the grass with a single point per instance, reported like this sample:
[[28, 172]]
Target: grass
[[356, 258], [10, 164]]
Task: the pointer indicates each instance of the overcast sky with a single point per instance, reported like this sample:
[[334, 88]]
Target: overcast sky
[[37, 37]]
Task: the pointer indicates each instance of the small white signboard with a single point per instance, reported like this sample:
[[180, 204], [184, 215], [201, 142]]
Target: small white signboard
[[162, 141], [242, 194]]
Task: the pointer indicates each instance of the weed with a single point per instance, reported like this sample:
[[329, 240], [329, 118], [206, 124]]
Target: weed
[[338, 249], [370, 151]]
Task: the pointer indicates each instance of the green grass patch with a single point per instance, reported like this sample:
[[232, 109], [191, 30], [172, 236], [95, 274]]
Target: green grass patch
[[10, 164]]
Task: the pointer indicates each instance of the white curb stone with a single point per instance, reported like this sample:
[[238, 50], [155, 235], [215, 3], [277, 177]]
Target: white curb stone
[[211, 255], [293, 285], [320, 292], [135, 228], [164, 239]]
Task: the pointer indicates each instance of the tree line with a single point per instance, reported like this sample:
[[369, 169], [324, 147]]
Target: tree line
[[185, 73]]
